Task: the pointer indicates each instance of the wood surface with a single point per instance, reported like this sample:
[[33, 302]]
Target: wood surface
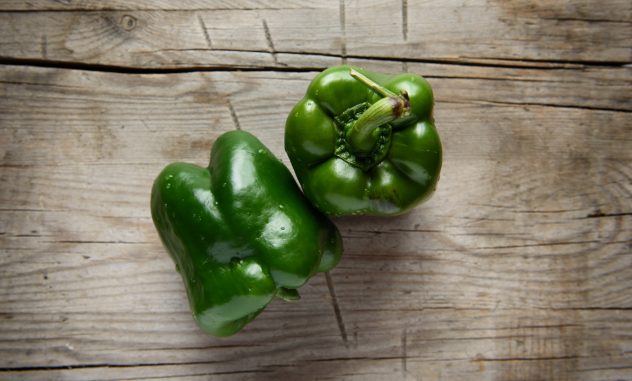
[[518, 268]]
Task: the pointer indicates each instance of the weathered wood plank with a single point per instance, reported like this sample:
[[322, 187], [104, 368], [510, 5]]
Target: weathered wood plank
[[482, 344], [518, 268], [260, 36], [193, 5], [516, 29]]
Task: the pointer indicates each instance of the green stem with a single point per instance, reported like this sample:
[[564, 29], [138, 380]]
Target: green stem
[[361, 136], [287, 294], [371, 84]]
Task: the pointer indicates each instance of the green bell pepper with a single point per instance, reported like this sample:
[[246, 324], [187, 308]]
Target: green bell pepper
[[365, 143], [240, 232]]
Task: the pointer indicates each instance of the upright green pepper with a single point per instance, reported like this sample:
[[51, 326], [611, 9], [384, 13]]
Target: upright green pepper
[[364, 143], [240, 232]]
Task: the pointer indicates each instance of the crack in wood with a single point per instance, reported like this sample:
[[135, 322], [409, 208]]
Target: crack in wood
[[608, 368], [233, 115], [108, 365], [23, 210], [336, 306], [143, 9], [501, 79], [44, 47], [200, 348], [266, 31], [565, 64], [98, 365], [343, 31], [506, 359], [404, 353], [534, 104], [395, 231], [97, 242], [588, 308], [463, 61], [537, 245], [487, 309], [205, 32], [600, 214], [355, 358], [405, 19], [586, 20], [106, 68]]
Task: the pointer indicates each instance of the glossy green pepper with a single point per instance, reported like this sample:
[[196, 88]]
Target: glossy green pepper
[[365, 143], [240, 232]]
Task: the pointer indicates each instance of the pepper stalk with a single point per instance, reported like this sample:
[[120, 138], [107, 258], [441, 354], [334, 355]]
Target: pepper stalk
[[361, 136]]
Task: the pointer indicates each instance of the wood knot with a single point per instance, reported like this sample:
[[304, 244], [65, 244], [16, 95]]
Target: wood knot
[[128, 22]]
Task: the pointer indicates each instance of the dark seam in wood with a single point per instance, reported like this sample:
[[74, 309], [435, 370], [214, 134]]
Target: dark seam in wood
[[504, 79], [233, 115], [589, 308], [334, 302], [502, 253], [605, 368], [219, 346], [545, 211], [149, 314], [405, 68], [537, 245], [44, 47], [182, 50], [471, 338], [121, 69], [266, 31], [404, 353], [600, 215], [75, 164], [99, 365], [465, 61], [111, 9], [355, 358], [343, 31], [99, 242], [205, 32], [405, 19], [487, 309], [527, 104], [172, 376], [395, 231], [23, 210], [529, 358], [552, 61], [535, 326], [71, 367], [586, 20]]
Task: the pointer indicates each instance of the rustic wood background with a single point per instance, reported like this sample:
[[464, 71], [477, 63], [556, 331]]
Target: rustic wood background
[[519, 268]]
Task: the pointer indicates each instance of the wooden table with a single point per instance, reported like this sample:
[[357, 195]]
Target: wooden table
[[519, 267]]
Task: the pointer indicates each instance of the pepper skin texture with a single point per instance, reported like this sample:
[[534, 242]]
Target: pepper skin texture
[[364, 143], [240, 232]]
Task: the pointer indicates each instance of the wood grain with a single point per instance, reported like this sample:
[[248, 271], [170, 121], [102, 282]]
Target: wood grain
[[518, 268]]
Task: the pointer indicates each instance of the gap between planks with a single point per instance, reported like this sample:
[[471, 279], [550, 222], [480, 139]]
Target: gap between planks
[[489, 62]]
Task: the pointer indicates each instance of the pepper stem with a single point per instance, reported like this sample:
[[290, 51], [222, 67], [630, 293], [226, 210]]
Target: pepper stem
[[362, 134], [371, 84], [287, 294]]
